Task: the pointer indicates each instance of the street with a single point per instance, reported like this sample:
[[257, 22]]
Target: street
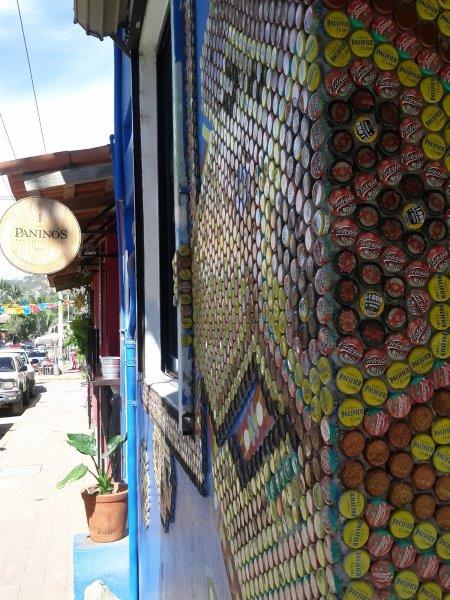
[[37, 521]]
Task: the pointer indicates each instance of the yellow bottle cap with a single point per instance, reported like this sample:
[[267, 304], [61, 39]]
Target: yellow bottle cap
[[439, 288], [429, 590], [336, 24], [374, 391], [440, 344], [406, 584], [337, 53], [355, 533], [302, 70], [433, 146], [313, 77], [424, 535], [443, 546], [385, 57], [371, 304], [431, 90], [440, 316], [351, 504], [301, 43], [311, 48], [351, 412], [440, 430], [422, 446], [358, 590], [316, 410], [441, 459], [447, 161], [325, 372], [433, 118], [409, 73], [356, 564], [444, 4], [446, 105], [361, 43], [444, 22], [427, 10], [420, 360], [401, 523], [398, 375], [326, 401], [365, 129], [314, 380], [306, 391], [349, 380]]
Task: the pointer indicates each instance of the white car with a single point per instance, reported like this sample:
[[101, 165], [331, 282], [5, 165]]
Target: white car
[[31, 373], [13, 382]]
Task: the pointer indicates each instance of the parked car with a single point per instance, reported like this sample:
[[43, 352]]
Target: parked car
[[13, 382], [31, 373], [37, 357]]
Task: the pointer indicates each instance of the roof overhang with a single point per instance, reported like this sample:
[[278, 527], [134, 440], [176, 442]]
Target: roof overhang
[[103, 18], [81, 180]]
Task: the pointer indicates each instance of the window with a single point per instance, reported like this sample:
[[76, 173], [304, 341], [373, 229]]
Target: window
[[169, 328], [7, 364]]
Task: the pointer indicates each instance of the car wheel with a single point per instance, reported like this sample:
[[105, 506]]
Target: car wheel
[[17, 407], [26, 396]]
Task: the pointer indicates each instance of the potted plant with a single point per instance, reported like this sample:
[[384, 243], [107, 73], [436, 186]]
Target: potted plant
[[106, 503]]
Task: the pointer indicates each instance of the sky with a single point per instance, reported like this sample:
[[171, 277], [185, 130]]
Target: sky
[[73, 77]]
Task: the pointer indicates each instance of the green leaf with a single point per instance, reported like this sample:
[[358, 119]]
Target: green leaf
[[113, 444], [104, 483], [75, 474], [86, 444]]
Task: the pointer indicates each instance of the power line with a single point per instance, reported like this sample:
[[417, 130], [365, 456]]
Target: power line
[[7, 135], [31, 76]]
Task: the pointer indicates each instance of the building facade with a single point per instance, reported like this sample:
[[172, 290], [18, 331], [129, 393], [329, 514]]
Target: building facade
[[285, 168]]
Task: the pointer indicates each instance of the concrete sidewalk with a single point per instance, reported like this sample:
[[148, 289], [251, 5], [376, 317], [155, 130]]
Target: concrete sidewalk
[[38, 522]]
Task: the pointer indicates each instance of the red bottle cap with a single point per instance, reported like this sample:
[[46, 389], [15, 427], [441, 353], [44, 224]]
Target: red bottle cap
[[363, 72], [375, 362], [387, 85], [398, 405], [412, 157], [397, 346], [350, 350], [393, 258], [366, 186], [417, 273], [418, 302], [411, 130], [338, 83], [411, 102], [418, 332], [369, 245]]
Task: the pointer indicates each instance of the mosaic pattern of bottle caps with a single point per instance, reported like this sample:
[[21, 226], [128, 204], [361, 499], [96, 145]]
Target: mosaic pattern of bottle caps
[[320, 295]]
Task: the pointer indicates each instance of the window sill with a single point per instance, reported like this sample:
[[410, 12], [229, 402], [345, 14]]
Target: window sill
[[165, 386]]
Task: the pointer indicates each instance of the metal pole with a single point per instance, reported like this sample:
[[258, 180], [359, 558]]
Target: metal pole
[[60, 326]]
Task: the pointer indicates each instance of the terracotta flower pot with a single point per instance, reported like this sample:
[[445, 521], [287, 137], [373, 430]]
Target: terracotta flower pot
[[106, 514]]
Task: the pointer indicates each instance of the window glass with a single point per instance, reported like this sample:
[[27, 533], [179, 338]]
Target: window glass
[[7, 364]]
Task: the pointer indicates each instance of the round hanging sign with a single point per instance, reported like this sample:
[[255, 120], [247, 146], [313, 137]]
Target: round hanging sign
[[38, 235]]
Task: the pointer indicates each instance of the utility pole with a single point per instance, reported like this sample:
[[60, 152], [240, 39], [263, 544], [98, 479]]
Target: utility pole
[[60, 327]]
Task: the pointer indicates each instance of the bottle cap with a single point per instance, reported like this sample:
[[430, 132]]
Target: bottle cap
[[374, 391], [336, 24], [422, 446], [433, 118], [420, 360], [406, 584], [356, 564], [349, 380], [401, 523], [385, 57], [358, 590], [337, 53], [355, 533], [398, 375], [361, 43], [408, 73], [434, 146], [351, 504], [351, 412], [424, 535]]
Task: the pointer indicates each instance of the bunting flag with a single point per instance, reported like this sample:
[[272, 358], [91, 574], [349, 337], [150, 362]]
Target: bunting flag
[[24, 308]]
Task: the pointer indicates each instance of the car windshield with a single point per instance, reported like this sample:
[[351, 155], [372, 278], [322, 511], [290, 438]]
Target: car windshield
[[6, 364], [36, 354]]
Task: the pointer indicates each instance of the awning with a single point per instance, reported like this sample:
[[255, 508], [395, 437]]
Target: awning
[[102, 18], [83, 181]]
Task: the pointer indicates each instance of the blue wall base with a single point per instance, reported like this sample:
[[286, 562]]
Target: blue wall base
[[107, 562]]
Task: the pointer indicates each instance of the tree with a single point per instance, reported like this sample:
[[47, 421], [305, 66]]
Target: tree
[[21, 328]]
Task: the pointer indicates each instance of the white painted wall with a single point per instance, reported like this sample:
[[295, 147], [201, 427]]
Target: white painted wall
[[152, 26]]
